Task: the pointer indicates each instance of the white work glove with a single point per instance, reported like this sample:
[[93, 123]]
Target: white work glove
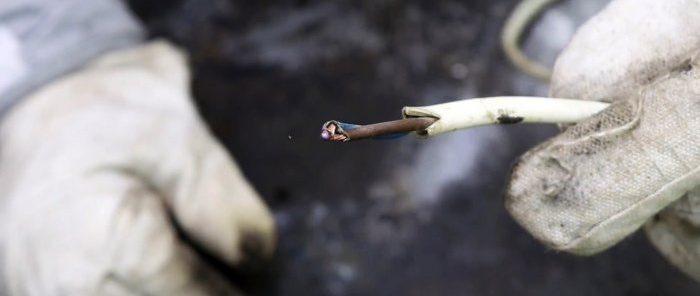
[[100, 173], [635, 163]]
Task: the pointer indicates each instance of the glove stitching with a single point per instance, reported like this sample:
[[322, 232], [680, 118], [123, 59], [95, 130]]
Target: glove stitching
[[607, 133]]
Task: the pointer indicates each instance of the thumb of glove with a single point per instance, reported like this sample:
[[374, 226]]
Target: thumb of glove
[[601, 179]]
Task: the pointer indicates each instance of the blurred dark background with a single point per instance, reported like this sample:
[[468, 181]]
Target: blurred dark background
[[405, 217]]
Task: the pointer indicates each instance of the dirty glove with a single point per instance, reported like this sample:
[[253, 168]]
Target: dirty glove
[[102, 174], [635, 163]]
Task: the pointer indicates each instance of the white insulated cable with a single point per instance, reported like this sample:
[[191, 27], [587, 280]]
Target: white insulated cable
[[428, 121], [468, 113], [521, 17]]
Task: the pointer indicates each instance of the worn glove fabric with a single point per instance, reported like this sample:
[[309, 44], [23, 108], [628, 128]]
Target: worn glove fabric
[[636, 162], [99, 169]]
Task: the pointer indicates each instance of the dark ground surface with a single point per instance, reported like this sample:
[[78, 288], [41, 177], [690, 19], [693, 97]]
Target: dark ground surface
[[407, 217]]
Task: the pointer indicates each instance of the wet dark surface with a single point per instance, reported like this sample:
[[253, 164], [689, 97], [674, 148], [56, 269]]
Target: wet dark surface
[[404, 217]]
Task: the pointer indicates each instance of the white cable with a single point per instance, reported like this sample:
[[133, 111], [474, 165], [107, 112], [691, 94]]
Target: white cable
[[468, 113], [517, 22]]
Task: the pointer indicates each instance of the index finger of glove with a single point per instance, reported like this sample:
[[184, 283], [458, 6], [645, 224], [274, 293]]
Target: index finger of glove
[[167, 144], [628, 44], [131, 111]]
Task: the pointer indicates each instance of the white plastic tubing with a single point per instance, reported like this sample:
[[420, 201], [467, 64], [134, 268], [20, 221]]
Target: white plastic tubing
[[468, 113]]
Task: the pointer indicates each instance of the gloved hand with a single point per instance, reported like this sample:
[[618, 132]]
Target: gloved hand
[[635, 163], [102, 171]]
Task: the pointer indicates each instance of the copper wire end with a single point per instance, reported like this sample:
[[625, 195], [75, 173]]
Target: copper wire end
[[332, 131], [342, 132]]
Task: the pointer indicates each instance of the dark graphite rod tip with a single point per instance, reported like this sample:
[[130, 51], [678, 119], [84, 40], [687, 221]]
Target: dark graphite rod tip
[[342, 132]]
